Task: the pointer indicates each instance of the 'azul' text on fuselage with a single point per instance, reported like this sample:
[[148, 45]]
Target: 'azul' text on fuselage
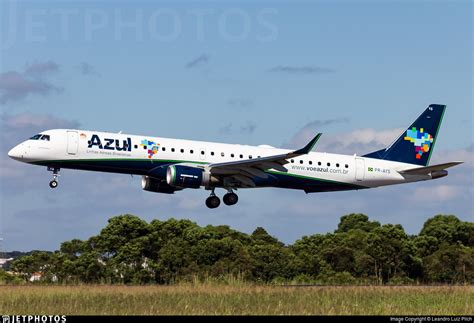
[[110, 143]]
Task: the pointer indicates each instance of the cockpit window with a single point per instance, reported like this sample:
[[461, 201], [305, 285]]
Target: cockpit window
[[40, 137]]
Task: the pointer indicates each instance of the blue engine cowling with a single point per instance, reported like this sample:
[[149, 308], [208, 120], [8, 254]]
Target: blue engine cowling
[[186, 176], [155, 185]]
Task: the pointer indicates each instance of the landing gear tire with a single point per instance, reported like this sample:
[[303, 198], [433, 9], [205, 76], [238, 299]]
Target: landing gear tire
[[212, 202], [54, 183], [230, 199]]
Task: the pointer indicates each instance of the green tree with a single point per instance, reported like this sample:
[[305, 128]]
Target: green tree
[[270, 261], [391, 250], [261, 236], [356, 221], [120, 230], [445, 228], [36, 262], [450, 264]]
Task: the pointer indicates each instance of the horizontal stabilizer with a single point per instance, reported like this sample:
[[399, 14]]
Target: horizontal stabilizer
[[428, 169]]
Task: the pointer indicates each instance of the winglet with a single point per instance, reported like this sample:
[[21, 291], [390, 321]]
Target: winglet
[[306, 149]]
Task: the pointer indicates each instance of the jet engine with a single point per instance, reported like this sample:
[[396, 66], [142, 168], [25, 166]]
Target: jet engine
[[439, 173], [187, 176], [155, 185]]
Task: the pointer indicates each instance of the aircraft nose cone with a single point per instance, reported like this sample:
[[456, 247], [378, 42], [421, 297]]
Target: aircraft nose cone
[[14, 153]]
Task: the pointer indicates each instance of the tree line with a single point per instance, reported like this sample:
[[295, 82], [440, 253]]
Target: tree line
[[131, 251]]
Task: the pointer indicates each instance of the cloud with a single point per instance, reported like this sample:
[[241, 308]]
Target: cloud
[[87, 69], [15, 86], [301, 70], [360, 141], [249, 128], [17, 128], [239, 103], [245, 129], [225, 130], [21, 126], [200, 60], [438, 193], [309, 130], [41, 69], [466, 155]]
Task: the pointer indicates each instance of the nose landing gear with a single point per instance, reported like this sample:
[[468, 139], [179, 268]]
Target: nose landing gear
[[54, 183]]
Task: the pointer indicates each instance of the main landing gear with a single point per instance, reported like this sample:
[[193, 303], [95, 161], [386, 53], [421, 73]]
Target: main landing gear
[[54, 183], [213, 201]]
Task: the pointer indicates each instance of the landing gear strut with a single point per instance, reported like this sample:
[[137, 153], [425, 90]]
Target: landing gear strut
[[54, 183], [213, 201]]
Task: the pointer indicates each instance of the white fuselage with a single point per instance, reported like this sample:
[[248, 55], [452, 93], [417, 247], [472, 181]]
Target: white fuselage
[[122, 153]]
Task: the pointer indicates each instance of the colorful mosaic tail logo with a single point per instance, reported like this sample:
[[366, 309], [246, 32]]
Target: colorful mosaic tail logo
[[422, 141], [151, 146]]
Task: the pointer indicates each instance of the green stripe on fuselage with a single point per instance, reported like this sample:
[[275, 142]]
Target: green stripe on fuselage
[[164, 161]]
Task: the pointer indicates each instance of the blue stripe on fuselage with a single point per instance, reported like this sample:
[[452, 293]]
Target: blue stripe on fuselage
[[157, 169]]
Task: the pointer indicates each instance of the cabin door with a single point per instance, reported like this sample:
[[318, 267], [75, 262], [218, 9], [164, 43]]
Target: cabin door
[[72, 142]]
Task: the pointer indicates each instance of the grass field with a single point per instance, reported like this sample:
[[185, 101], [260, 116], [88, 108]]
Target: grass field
[[245, 299]]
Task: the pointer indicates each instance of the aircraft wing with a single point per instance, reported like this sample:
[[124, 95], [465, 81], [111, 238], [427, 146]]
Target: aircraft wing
[[244, 170], [428, 169]]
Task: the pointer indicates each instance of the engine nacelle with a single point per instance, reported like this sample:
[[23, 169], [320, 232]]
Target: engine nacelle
[[155, 185], [186, 176], [439, 173]]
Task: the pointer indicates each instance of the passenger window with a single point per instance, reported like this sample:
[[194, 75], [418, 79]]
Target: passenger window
[[144, 147], [182, 150], [136, 146], [301, 161], [191, 151], [337, 165], [347, 166], [241, 156], [292, 160], [212, 153], [164, 149], [202, 152], [172, 150], [310, 162], [329, 164], [319, 163], [222, 154], [232, 155], [250, 156]]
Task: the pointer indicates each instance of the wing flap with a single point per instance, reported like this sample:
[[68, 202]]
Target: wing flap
[[267, 162], [244, 171]]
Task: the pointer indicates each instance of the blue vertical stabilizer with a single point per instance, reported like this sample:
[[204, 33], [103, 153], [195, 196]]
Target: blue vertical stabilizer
[[415, 145]]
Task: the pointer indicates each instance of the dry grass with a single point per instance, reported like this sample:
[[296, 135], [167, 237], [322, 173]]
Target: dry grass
[[196, 299]]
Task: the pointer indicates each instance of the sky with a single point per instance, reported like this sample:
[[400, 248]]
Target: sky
[[249, 72]]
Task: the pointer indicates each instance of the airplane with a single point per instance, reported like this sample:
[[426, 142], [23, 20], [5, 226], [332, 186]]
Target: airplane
[[170, 165]]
